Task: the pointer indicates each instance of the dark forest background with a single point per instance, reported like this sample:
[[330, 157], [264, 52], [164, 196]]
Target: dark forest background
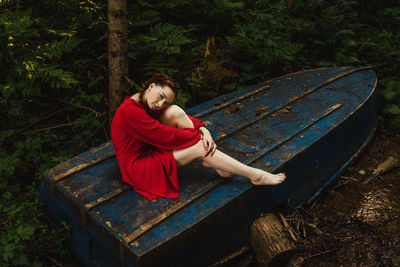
[[54, 77]]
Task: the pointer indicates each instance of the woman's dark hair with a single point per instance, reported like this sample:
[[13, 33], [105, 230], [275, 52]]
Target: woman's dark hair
[[161, 80]]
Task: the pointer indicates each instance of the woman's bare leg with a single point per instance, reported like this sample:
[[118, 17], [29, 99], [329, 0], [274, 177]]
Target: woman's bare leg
[[220, 172], [175, 116], [225, 165], [221, 161]]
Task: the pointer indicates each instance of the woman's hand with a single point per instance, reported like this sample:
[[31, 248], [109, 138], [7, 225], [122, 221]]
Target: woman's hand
[[208, 141]]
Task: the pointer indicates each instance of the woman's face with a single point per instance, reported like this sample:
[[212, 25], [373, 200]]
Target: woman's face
[[157, 97]]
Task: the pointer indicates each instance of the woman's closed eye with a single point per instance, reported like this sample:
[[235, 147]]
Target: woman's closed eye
[[162, 97]]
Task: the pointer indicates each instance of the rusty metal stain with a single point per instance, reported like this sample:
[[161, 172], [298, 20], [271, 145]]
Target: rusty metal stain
[[80, 190], [261, 109], [235, 107], [344, 74], [283, 110], [293, 97], [222, 200], [97, 149]]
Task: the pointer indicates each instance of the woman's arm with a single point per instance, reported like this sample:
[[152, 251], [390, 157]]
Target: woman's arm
[[136, 122], [196, 122]]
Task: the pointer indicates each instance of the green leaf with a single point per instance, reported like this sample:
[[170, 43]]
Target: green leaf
[[5, 133], [389, 94], [7, 195], [14, 111], [26, 231], [8, 255], [21, 260], [392, 109], [392, 89], [7, 90], [344, 32], [37, 264], [349, 60], [339, 213]]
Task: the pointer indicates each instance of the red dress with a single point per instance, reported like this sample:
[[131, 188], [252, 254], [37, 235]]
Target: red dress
[[143, 146]]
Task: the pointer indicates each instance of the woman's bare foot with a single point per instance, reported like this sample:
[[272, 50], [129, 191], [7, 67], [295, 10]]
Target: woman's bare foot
[[266, 178], [220, 172]]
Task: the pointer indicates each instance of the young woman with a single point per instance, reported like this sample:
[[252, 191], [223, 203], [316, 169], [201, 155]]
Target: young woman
[[152, 139]]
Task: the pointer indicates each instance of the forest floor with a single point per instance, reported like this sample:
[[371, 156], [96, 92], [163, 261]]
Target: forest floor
[[355, 223], [352, 223]]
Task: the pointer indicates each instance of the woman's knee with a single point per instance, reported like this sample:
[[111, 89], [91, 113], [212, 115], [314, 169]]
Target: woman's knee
[[174, 111], [171, 115]]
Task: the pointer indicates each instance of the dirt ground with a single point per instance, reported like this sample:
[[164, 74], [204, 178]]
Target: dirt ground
[[352, 223]]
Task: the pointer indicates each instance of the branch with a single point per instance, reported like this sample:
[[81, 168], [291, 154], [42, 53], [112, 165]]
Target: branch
[[79, 106], [59, 126]]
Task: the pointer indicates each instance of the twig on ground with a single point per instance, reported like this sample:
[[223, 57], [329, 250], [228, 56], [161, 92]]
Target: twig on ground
[[349, 178], [315, 202], [321, 253], [306, 211], [339, 185]]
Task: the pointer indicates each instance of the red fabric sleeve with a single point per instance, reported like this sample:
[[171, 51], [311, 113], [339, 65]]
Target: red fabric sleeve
[[197, 124], [143, 127]]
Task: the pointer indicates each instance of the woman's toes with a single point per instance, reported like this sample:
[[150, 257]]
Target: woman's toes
[[269, 179]]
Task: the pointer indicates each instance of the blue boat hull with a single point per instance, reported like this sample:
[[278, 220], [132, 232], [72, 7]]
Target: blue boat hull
[[311, 125]]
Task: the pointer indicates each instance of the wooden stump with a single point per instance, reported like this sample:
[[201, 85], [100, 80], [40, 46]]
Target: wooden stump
[[270, 241]]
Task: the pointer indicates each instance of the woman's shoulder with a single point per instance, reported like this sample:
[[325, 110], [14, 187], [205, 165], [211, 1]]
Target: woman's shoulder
[[129, 101], [131, 106]]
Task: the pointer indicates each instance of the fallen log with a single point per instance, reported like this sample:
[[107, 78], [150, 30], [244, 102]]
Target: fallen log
[[270, 241], [389, 164]]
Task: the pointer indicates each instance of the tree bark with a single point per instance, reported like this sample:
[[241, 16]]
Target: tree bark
[[269, 241], [118, 86]]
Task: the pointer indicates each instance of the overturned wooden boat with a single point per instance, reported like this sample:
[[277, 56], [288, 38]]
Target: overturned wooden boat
[[310, 124]]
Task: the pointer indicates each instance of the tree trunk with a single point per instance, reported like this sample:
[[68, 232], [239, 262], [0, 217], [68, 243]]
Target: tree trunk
[[270, 242], [118, 86]]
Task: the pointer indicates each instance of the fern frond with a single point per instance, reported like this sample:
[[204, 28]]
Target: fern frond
[[170, 38], [171, 4]]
